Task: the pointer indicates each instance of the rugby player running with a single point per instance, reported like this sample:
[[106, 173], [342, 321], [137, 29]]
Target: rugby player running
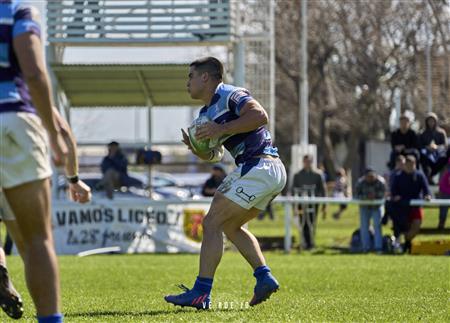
[[237, 122]]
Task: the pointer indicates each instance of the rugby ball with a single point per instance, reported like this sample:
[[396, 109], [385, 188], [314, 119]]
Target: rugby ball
[[200, 146]]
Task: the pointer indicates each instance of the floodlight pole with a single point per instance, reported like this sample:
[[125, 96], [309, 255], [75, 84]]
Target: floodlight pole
[[272, 103], [303, 108]]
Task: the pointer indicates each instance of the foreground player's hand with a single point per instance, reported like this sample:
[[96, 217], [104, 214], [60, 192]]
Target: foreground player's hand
[[186, 140], [59, 149], [80, 192], [209, 130]]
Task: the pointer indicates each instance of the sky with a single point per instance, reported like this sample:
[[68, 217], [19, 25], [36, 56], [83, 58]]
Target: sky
[[129, 125]]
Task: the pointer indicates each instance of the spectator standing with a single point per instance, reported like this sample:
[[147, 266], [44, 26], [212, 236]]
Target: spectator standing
[[370, 187], [399, 167], [390, 206], [408, 185], [309, 182], [268, 211]]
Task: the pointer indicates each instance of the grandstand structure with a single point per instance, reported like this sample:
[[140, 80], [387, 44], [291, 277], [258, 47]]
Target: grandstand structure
[[241, 27]]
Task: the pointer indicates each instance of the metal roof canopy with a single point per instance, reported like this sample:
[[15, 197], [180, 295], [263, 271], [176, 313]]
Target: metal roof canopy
[[124, 85], [140, 23]]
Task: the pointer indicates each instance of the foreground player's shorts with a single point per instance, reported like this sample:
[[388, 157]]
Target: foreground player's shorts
[[255, 183], [24, 153]]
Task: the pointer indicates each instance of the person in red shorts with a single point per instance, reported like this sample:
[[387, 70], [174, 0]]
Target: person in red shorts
[[409, 185]]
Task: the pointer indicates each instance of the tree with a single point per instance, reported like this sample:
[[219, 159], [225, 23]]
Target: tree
[[359, 53]]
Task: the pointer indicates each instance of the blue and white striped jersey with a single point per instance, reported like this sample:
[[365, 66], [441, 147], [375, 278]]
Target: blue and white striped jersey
[[15, 19], [225, 106]]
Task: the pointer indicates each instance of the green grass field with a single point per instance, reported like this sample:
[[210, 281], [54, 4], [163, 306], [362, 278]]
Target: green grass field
[[314, 287]]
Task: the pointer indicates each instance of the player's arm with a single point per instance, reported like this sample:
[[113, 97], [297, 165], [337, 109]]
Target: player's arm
[[251, 116], [79, 191], [71, 166], [28, 49]]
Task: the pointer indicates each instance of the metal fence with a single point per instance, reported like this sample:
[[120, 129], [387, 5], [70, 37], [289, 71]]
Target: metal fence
[[290, 203]]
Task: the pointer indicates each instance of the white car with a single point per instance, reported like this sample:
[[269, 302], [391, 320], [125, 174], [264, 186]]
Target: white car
[[163, 186]]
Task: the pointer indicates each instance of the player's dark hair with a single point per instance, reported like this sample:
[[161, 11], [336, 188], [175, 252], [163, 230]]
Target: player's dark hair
[[210, 65]]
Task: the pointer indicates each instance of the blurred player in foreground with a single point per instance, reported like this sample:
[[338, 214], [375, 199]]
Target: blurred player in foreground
[[27, 119], [237, 122]]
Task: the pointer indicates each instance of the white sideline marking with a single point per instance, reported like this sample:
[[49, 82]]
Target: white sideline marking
[[98, 251]]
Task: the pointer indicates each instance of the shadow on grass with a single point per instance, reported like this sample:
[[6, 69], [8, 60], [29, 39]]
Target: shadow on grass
[[147, 313], [337, 251], [122, 313]]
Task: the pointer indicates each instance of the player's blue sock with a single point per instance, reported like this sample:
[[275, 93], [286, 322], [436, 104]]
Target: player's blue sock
[[261, 272], [203, 284], [55, 318]]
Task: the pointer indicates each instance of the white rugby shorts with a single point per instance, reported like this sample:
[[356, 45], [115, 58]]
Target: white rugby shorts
[[255, 183], [24, 152]]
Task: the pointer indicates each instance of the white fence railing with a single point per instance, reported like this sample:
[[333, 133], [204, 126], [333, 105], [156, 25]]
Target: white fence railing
[[92, 22], [290, 202]]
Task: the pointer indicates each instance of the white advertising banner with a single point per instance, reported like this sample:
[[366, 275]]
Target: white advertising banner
[[130, 226]]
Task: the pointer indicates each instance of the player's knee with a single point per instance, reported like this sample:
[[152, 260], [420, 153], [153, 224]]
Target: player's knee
[[211, 224], [36, 244]]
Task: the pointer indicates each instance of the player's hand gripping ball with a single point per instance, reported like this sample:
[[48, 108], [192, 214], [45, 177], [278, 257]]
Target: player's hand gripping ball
[[200, 146]]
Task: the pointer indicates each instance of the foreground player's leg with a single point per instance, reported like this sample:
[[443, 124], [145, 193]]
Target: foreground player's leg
[[34, 223]]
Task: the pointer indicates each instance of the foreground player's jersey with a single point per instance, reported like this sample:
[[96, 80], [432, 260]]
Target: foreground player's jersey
[[15, 19], [225, 106]]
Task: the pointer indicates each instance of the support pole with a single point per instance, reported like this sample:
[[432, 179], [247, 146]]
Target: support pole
[[150, 143], [287, 227], [149, 122], [239, 63], [272, 102], [303, 109]]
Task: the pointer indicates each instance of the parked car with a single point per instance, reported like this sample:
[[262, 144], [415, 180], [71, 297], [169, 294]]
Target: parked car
[[164, 186]]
